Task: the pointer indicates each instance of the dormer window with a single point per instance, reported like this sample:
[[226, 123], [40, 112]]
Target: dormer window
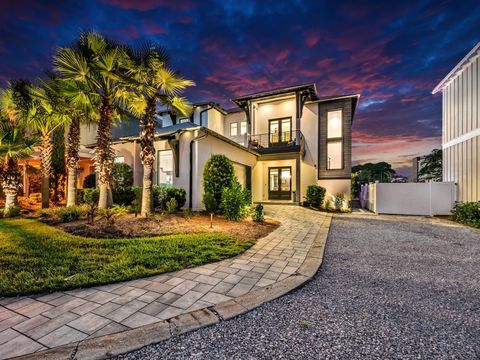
[[334, 140]]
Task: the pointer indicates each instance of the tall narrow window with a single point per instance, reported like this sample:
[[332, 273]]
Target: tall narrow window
[[165, 167], [334, 140], [233, 129], [243, 128]]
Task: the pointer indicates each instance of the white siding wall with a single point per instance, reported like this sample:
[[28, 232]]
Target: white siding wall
[[461, 120]]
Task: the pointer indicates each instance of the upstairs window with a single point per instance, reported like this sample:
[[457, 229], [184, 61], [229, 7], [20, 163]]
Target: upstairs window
[[243, 128], [334, 140], [184, 120], [233, 129]]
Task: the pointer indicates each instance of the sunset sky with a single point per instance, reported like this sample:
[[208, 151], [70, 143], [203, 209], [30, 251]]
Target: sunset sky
[[392, 53]]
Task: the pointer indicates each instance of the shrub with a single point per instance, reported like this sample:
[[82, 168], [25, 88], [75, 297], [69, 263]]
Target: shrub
[[339, 201], [12, 211], [79, 196], [210, 203], [327, 205], [124, 195], [122, 176], [188, 214], [71, 213], [217, 175], [315, 195], [257, 214], [90, 197], [171, 206], [467, 213], [90, 181], [163, 194], [233, 202]]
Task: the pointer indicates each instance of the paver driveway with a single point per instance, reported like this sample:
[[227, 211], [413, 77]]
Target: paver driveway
[[35, 323], [389, 288]]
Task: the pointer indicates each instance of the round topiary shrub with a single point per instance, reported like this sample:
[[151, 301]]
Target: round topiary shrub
[[217, 175]]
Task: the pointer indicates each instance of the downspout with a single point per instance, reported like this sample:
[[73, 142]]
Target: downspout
[[190, 185]]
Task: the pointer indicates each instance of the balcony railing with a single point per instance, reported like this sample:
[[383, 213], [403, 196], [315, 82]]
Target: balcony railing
[[287, 141]]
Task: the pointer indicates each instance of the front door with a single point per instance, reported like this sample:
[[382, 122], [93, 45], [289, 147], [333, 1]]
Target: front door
[[280, 183], [279, 131]]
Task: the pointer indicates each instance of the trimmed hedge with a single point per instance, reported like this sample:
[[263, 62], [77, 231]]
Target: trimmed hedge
[[163, 194], [217, 175], [315, 195]]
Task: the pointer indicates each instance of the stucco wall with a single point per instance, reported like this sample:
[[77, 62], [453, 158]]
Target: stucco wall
[[237, 117], [131, 153], [260, 177], [334, 186], [265, 111], [215, 121], [88, 134]]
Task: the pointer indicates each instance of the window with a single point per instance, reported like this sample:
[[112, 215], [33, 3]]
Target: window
[[334, 140], [119, 160], [184, 120], [165, 167], [280, 131], [243, 128], [233, 129]]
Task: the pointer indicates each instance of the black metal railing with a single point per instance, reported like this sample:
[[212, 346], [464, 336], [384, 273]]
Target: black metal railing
[[286, 140]]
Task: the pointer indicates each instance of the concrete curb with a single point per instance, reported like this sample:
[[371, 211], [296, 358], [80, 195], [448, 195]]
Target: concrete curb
[[120, 343]]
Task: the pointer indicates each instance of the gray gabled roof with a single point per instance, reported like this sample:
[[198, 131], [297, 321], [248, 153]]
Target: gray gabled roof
[[311, 87], [458, 69]]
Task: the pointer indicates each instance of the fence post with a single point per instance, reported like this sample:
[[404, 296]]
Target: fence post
[[430, 197], [376, 196]]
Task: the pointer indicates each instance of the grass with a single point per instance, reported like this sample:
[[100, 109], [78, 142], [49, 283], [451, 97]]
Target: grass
[[35, 257]]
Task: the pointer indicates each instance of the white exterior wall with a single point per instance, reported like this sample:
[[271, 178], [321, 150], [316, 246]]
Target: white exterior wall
[[264, 111], [203, 150], [215, 121], [334, 186], [260, 178], [237, 117], [461, 132], [88, 134], [131, 153]]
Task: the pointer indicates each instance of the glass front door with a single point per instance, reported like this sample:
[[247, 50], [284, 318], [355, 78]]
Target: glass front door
[[280, 183], [280, 131]]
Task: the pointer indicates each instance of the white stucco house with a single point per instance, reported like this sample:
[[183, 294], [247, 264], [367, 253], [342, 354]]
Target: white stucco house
[[280, 141], [461, 125]]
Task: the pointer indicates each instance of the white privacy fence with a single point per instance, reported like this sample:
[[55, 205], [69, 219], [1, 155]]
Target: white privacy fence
[[432, 198]]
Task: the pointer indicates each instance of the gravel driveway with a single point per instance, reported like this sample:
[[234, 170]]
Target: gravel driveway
[[390, 287]]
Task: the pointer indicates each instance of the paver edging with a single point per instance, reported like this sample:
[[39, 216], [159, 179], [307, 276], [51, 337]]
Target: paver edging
[[119, 343]]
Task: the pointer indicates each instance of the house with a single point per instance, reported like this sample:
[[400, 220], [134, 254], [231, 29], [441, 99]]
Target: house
[[280, 141], [461, 125]]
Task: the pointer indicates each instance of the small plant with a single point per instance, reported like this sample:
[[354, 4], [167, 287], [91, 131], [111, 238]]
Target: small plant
[[327, 205], [234, 205], [315, 195], [12, 211], [339, 201], [304, 324], [70, 213], [188, 214], [112, 214], [90, 197], [467, 213], [257, 214], [171, 206]]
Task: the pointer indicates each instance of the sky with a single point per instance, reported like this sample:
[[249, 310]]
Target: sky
[[392, 53]]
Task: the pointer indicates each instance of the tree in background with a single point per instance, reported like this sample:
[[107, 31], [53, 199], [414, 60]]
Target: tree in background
[[431, 167], [370, 172]]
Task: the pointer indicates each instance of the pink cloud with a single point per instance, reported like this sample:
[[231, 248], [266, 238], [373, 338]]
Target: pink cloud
[[152, 28]]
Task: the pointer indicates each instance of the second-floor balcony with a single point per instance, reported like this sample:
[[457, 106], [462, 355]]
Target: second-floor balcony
[[277, 142]]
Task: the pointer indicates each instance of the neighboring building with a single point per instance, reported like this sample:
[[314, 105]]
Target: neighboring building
[[280, 141], [461, 125], [416, 166]]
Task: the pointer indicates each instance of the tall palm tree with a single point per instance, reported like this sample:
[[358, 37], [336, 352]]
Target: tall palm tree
[[156, 83], [46, 113], [14, 145], [99, 66]]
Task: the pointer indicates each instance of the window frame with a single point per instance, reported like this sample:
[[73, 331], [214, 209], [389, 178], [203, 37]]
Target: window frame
[[236, 128], [338, 139], [158, 165], [246, 127]]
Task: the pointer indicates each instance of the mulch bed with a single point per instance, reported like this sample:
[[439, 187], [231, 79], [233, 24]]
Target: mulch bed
[[129, 226]]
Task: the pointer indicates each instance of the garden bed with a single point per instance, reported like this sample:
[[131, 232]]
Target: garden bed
[[129, 226]]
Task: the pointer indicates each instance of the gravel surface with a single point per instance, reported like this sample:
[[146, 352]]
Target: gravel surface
[[390, 287]]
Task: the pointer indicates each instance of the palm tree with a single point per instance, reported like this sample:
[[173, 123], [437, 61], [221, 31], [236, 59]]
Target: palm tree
[[98, 66], [46, 113], [156, 83], [14, 145]]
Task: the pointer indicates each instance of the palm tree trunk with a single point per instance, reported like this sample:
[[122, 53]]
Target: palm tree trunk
[[73, 148], [10, 182], [147, 155], [46, 168], [104, 155]]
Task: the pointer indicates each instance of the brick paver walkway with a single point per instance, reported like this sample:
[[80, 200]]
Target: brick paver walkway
[[35, 323]]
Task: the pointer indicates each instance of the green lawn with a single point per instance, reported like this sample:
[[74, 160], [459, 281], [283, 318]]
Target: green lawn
[[35, 257]]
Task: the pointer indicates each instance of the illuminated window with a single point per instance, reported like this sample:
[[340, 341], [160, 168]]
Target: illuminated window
[[334, 140], [334, 124], [243, 128], [165, 167], [184, 120], [233, 129], [119, 160]]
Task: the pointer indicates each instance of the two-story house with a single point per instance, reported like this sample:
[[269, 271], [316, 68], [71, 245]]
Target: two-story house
[[280, 141]]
